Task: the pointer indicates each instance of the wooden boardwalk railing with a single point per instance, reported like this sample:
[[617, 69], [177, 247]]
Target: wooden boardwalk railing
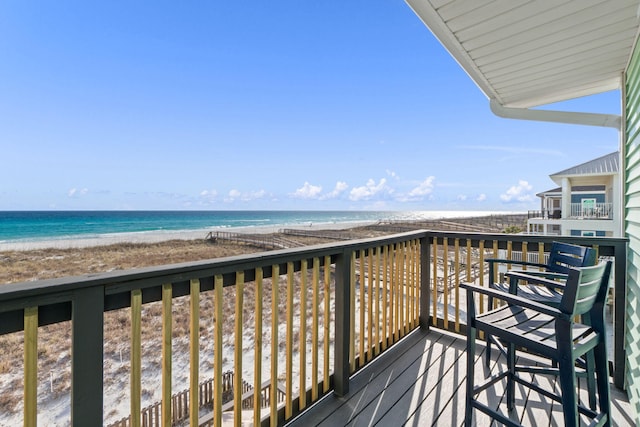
[[325, 234], [267, 241], [151, 415]]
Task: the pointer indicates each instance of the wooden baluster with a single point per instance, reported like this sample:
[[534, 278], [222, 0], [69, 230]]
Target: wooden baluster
[[315, 287], [352, 312], [275, 285], [136, 357], [303, 335], [405, 288], [361, 338], [456, 249], [375, 282], [289, 361], [445, 268], [237, 359], [385, 296], [393, 312], [217, 349], [369, 281], [167, 327], [434, 299], [30, 366], [327, 323], [194, 351], [257, 356]]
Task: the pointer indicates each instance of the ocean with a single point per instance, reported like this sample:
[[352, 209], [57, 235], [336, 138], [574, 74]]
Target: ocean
[[39, 226]]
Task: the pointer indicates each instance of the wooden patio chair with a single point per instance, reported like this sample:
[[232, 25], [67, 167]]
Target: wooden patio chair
[[549, 332]]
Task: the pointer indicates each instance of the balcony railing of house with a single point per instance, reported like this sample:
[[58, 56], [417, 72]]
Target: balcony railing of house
[[290, 324], [578, 211], [594, 211]]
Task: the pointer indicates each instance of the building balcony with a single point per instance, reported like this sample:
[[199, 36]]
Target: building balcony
[[367, 329], [578, 211]]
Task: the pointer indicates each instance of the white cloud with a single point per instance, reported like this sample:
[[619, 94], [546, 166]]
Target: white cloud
[[462, 197], [209, 194], [307, 191], [369, 190], [518, 193], [75, 192], [392, 174], [245, 197], [340, 188], [425, 188], [258, 194], [481, 198], [314, 192]]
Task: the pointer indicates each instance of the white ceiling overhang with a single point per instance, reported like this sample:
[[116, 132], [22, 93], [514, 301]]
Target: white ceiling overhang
[[528, 53]]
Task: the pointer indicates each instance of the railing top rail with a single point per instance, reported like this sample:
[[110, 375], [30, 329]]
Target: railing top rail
[[529, 238]]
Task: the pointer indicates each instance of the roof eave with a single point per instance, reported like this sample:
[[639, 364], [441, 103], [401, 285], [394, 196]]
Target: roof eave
[[430, 19]]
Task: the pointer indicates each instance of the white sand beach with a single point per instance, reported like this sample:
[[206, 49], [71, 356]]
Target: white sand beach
[[163, 236]]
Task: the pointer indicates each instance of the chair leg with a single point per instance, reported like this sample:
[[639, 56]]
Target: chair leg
[[568, 389], [511, 386], [602, 375], [471, 351], [487, 337], [591, 379]]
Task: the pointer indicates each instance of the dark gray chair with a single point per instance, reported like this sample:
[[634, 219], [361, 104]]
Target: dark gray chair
[[549, 332], [562, 256]]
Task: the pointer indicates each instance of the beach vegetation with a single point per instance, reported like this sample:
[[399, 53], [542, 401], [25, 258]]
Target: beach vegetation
[[513, 229]]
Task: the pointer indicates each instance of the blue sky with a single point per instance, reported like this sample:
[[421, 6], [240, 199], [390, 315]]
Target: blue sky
[[260, 105]]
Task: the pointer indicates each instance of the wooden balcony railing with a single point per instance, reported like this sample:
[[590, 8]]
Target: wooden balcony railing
[[577, 211], [290, 324], [460, 257]]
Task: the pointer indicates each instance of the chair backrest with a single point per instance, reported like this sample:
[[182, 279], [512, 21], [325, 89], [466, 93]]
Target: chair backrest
[[563, 256], [586, 288]]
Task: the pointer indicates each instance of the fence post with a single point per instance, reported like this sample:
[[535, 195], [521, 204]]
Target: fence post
[[87, 323], [425, 280], [343, 331]]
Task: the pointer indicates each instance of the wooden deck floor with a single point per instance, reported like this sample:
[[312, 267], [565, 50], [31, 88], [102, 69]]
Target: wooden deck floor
[[421, 382]]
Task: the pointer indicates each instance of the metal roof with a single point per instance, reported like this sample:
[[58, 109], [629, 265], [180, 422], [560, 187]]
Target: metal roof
[[528, 53], [605, 165]]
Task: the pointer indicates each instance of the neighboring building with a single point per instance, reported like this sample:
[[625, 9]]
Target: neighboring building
[[587, 203]]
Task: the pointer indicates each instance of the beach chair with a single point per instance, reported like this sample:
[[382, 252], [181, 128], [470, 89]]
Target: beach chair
[[546, 331]]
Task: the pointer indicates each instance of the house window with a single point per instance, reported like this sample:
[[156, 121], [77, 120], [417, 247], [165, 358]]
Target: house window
[[588, 233]]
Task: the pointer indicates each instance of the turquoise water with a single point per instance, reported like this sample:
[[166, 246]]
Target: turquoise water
[[25, 226], [38, 226]]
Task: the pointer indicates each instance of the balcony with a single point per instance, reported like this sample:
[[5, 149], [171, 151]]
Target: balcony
[[578, 211], [345, 330]]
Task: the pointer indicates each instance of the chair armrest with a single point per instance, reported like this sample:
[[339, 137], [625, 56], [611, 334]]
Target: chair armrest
[[536, 279], [547, 274], [512, 299], [510, 261]]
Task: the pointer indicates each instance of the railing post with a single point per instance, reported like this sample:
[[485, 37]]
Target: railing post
[[425, 280], [620, 307], [87, 323], [343, 330]]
